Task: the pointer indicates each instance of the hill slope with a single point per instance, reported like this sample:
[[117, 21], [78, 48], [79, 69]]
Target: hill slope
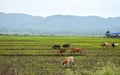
[[57, 24]]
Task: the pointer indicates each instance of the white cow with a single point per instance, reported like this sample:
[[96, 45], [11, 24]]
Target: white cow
[[67, 61], [116, 44]]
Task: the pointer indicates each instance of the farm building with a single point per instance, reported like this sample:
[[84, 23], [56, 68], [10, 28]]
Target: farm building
[[113, 34]]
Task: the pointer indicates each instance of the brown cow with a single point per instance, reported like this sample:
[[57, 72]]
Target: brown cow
[[76, 50], [106, 44], [62, 50], [67, 61]]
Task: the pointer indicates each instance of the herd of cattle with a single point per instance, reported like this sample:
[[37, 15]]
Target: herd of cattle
[[64, 47], [66, 61]]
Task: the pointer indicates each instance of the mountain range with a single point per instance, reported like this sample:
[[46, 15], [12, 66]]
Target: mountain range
[[18, 23]]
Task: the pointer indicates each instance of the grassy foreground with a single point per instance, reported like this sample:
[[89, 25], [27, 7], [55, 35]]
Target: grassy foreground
[[33, 55]]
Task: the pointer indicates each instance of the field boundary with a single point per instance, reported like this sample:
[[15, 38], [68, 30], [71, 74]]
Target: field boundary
[[57, 55]]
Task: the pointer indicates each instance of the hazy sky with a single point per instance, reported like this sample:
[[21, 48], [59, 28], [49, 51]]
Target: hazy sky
[[103, 8]]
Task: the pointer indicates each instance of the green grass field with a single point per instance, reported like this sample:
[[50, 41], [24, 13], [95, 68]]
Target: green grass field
[[33, 55]]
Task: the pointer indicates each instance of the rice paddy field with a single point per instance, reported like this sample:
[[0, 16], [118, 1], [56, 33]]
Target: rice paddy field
[[33, 55]]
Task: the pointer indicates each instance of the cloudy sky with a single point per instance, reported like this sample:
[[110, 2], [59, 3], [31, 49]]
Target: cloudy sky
[[103, 8]]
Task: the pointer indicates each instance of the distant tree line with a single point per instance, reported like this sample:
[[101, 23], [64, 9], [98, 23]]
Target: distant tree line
[[7, 34]]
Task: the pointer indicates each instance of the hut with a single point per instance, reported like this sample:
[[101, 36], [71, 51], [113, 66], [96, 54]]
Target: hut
[[113, 34]]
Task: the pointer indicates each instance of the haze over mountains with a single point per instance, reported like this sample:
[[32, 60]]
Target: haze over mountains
[[57, 24]]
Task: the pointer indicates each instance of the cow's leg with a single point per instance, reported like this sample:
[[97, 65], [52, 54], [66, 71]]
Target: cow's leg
[[63, 64], [72, 61], [67, 64]]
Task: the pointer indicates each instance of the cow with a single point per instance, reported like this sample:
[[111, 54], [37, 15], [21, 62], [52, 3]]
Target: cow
[[76, 50], [65, 46], [56, 47], [67, 61], [62, 50], [106, 44], [115, 45]]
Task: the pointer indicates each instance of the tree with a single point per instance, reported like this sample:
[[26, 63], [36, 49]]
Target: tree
[[107, 34]]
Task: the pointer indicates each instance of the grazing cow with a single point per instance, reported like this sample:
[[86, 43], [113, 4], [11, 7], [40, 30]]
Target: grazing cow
[[76, 50], [56, 47], [62, 50], [67, 61], [65, 46], [106, 44], [114, 45]]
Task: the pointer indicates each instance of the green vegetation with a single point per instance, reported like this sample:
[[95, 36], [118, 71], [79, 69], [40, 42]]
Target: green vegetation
[[33, 55]]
